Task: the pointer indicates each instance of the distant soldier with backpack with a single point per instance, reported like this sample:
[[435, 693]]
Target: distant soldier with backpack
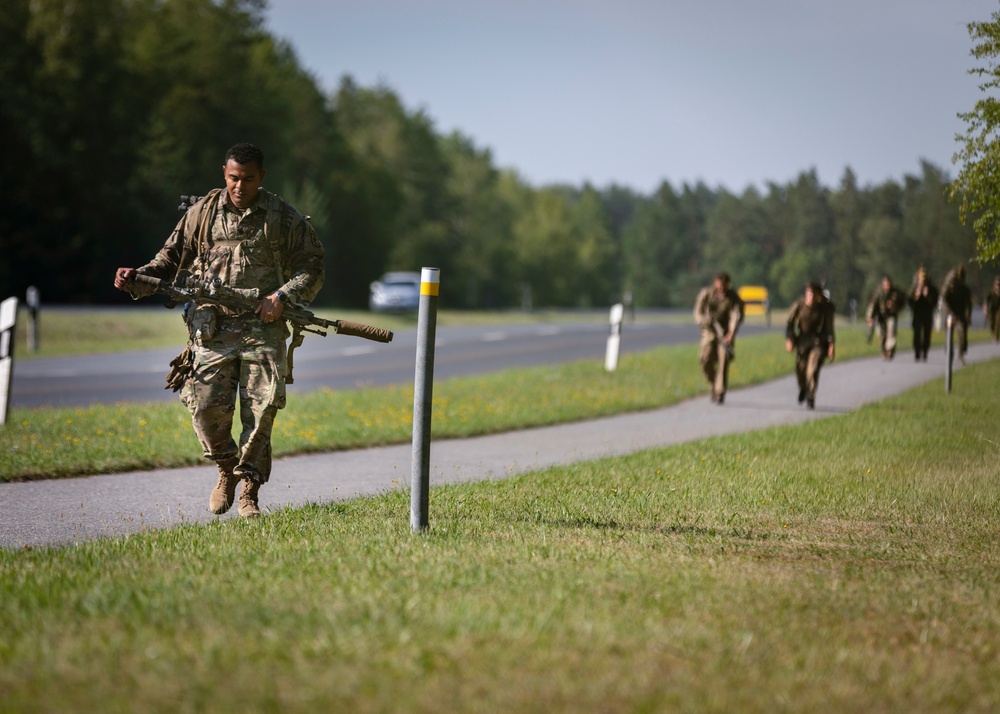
[[718, 310], [957, 299], [883, 310], [991, 307], [923, 300], [810, 335]]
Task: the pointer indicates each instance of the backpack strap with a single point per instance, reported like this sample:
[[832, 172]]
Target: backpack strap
[[201, 214], [279, 222], [275, 225]]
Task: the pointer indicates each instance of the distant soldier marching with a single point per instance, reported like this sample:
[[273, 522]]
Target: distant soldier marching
[[883, 310], [810, 334], [957, 299], [923, 300], [718, 310], [991, 307]]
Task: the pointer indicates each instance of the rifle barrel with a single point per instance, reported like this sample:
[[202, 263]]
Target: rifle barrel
[[304, 317], [357, 329]]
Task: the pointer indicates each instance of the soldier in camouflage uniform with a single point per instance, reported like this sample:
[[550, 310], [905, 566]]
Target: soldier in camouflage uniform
[[886, 304], [718, 310], [810, 334], [957, 302], [991, 308], [246, 237], [923, 300]]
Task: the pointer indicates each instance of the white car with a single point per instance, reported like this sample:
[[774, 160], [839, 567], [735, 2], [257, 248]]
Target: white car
[[395, 292]]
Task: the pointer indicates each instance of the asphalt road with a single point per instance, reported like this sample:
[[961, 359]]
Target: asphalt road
[[338, 362], [68, 511]]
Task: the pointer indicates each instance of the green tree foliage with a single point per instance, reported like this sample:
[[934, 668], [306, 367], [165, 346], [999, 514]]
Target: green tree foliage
[[978, 182], [479, 224], [65, 113], [404, 149], [653, 249], [112, 109], [933, 228], [803, 219], [845, 275], [544, 244], [740, 237]]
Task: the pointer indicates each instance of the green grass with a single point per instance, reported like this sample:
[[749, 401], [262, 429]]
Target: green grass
[[52, 443], [78, 331], [66, 332], [849, 564]]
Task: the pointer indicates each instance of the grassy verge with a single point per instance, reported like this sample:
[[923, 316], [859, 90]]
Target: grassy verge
[[849, 564], [77, 331], [52, 443]]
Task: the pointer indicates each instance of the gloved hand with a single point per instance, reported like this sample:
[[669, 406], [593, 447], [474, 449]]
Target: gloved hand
[[181, 368]]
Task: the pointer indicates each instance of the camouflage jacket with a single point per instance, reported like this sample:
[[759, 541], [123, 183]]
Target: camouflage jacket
[[992, 302], [269, 246], [924, 303], [886, 304], [957, 297], [711, 309], [810, 327]]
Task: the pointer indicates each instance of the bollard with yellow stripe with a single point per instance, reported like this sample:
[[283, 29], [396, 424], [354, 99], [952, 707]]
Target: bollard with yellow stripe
[[430, 282], [423, 391]]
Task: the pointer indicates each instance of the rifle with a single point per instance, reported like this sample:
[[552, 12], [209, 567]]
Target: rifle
[[187, 289]]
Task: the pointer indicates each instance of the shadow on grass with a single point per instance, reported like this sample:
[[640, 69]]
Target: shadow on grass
[[671, 529]]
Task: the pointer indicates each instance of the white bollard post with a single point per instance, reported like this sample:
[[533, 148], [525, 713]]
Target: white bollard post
[[615, 338], [949, 346], [8, 328]]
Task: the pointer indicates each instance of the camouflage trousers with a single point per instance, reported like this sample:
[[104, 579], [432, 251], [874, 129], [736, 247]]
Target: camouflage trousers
[[889, 327], [961, 336], [245, 359], [808, 362], [714, 359], [922, 328]]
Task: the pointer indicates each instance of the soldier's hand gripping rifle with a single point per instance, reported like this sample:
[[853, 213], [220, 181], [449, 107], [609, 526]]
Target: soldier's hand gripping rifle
[[721, 334], [187, 289]]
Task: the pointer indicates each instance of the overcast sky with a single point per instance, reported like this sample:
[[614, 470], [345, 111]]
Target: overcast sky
[[635, 92]]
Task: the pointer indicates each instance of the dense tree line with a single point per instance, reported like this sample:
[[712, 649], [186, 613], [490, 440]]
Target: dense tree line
[[978, 182], [112, 109]]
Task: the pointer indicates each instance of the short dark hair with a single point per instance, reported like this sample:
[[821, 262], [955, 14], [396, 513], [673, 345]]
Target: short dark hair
[[724, 277], [816, 288], [245, 154]]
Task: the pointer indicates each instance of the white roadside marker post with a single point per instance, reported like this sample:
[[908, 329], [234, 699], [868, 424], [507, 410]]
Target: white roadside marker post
[[8, 327], [615, 338]]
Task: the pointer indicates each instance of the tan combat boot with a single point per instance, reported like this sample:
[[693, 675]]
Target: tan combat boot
[[248, 498], [224, 492]]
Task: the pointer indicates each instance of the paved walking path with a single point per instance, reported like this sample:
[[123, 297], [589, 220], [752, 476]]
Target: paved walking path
[[71, 510]]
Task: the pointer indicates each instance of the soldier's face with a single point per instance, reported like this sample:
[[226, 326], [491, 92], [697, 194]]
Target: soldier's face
[[810, 297], [243, 182]]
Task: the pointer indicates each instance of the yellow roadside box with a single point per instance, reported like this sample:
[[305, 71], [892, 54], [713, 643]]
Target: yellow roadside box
[[755, 301]]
